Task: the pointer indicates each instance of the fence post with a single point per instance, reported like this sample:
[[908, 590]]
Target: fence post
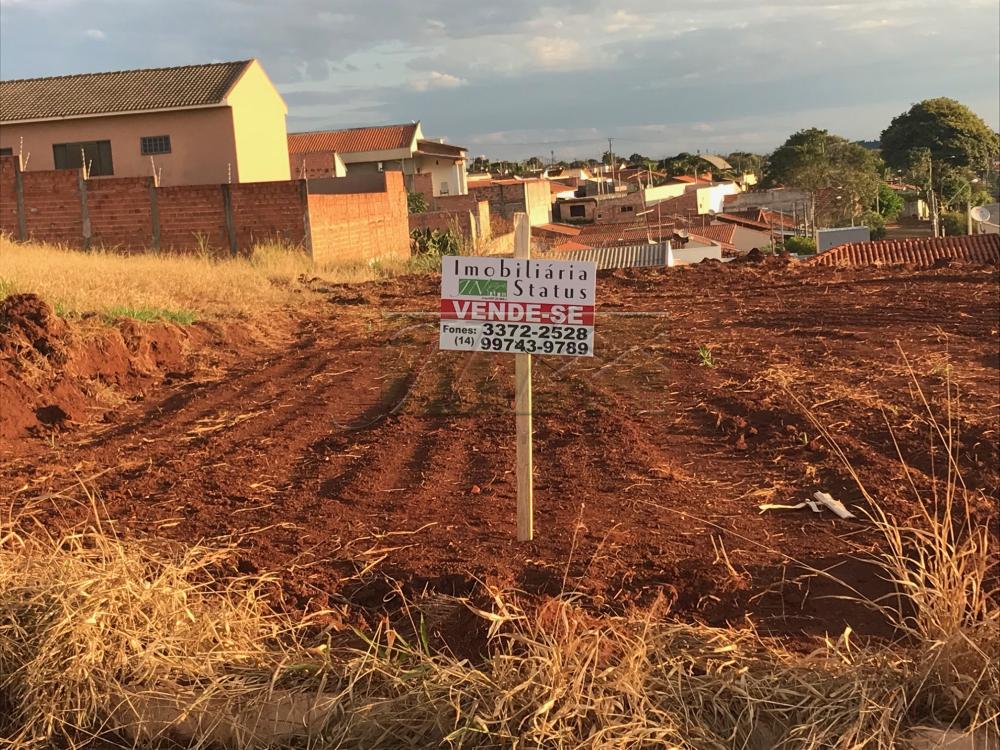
[[227, 203], [81, 186], [154, 212], [22, 225]]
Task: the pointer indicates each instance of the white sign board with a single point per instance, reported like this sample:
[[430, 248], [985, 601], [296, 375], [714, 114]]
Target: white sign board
[[518, 306]]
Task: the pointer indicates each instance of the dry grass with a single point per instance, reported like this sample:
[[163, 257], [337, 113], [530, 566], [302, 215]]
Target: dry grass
[[102, 635], [181, 286]]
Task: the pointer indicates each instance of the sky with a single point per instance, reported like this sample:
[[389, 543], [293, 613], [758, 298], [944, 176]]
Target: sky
[[518, 78]]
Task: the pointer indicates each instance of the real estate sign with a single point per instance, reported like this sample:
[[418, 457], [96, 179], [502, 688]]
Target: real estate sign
[[518, 305]]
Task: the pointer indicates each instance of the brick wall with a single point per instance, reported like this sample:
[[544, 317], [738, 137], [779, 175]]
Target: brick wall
[[354, 220], [463, 204], [119, 212], [506, 198], [267, 212], [52, 210], [192, 217], [360, 226], [442, 221], [8, 196]]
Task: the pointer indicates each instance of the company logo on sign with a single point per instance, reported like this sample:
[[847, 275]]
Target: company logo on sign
[[482, 287]]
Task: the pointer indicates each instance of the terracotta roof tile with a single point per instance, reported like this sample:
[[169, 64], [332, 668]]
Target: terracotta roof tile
[[719, 232], [354, 140], [118, 91], [919, 251]]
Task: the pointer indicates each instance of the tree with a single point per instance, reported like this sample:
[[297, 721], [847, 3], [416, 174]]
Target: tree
[[950, 131], [875, 222], [416, 203], [954, 223], [534, 162], [889, 202], [800, 245], [844, 176], [638, 160]]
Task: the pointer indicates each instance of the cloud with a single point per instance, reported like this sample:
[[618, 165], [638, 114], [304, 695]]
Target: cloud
[[95, 34], [437, 80]]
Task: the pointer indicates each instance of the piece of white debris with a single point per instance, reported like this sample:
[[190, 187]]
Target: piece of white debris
[[835, 505], [823, 500]]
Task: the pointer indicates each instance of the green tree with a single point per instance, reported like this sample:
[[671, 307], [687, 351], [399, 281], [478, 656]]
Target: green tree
[[534, 162], [638, 160], [954, 223], [889, 203], [820, 162], [416, 203], [800, 245], [875, 222], [950, 131]]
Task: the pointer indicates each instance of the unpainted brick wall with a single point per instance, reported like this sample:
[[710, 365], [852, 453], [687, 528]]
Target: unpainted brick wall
[[442, 221], [360, 226], [269, 212], [119, 212], [125, 213], [8, 196], [52, 210], [192, 217]]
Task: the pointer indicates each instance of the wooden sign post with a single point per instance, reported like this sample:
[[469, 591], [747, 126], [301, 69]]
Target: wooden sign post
[[522, 407], [520, 306]]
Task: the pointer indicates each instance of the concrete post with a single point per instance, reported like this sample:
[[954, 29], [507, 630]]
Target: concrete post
[[22, 228], [154, 213], [227, 203], [81, 186]]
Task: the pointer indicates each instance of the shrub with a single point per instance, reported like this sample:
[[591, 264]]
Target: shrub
[[875, 222], [954, 223], [801, 245], [416, 203]]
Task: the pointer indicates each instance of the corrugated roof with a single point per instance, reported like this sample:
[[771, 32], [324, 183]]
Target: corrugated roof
[[118, 91], [632, 256], [354, 140], [919, 251]]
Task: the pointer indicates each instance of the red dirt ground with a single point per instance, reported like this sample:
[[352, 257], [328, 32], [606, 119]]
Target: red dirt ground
[[357, 452]]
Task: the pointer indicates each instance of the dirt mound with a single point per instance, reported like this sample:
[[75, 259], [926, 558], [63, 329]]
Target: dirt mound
[[54, 373], [28, 323]]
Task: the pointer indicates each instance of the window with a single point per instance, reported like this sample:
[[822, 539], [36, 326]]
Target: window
[[96, 155], [152, 145], [626, 209], [578, 210], [6, 152], [444, 187]]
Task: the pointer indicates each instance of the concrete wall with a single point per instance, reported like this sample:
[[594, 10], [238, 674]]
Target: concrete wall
[[827, 238], [745, 239], [258, 113], [778, 199]]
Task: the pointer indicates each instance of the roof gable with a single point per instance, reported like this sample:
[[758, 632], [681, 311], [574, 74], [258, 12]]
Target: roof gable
[[118, 92], [355, 140]]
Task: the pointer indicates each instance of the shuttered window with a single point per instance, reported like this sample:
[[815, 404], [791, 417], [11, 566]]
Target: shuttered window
[[95, 155]]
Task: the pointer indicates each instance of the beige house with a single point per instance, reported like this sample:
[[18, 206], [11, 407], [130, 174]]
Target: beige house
[[397, 148], [196, 124]]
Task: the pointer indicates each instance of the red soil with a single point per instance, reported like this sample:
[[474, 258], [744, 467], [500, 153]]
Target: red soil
[[359, 446]]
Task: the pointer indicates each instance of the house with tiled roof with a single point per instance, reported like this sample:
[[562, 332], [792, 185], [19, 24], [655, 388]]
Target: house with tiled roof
[[188, 125], [430, 166]]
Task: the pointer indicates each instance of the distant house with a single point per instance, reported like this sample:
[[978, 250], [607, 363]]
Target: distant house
[[429, 166], [195, 124]]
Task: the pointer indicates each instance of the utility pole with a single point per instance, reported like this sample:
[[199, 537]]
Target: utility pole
[[611, 158]]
